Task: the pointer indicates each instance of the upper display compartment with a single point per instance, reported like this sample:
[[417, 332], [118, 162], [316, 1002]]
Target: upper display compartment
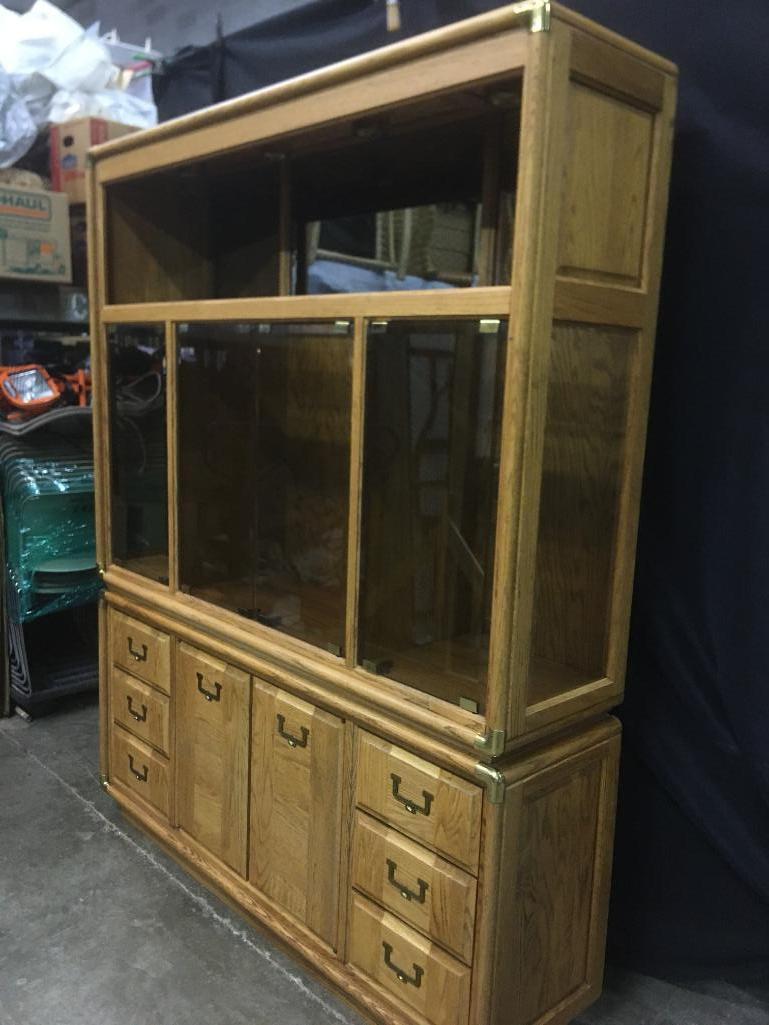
[[419, 196]]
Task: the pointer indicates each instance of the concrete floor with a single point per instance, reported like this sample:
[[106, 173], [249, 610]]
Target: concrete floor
[[99, 927]]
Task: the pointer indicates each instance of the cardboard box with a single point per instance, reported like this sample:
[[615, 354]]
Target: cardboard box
[[34, 235], [70, 143]]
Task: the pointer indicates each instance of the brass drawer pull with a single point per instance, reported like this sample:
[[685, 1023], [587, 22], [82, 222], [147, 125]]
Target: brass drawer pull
[[141, 776], [289, 737], [409, 805], [137, 656], [215, 695], [414, 980], [404, 891], [132, 711]]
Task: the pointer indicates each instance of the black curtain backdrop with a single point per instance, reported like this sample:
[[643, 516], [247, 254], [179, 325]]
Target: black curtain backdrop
[[691, 890]]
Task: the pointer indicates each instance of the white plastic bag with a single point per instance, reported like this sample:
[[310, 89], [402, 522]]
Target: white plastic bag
[[17, 129], [34, 40], [111, 104]]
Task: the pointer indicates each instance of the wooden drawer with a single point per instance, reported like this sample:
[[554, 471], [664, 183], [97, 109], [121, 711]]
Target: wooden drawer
[[141, 710], [419, 886], [141, 649], [408, 966], [139, 768], [296, 807], [428, 803], [213, 703]]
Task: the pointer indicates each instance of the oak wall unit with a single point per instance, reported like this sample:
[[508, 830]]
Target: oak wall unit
[[372, 351]]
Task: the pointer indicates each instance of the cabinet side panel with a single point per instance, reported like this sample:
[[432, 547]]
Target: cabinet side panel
[[592, 371], [606, 187], [556, 844]]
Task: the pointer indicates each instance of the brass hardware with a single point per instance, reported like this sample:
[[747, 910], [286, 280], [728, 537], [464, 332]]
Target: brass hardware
[[103, 781], [289, 737], [414, 980], [469, 705], [539, 11], [404, 891], [215, 695], [494, 780], [137, 656], [492, 742], [134, 713], [409, 805], [141, 776], [488, 326]]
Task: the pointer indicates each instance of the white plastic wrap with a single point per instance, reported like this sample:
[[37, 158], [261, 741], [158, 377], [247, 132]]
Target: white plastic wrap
[[17, 128], [56, 71]]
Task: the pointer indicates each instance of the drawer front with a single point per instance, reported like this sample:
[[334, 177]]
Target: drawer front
[[419, 886], [408, 966], [296, 807], [139, 768], [212, 727], [141, 649], [428, 803], [141, 710]]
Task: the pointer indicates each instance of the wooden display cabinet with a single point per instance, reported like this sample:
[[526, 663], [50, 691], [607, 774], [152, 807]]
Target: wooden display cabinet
[[372, 352]]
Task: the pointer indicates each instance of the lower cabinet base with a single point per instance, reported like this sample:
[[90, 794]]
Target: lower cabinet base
[[537, 953], [427, 887]]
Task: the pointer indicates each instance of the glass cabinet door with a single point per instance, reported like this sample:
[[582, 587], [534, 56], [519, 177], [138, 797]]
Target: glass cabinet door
[[264, 450], [138, 449], [431, 465]]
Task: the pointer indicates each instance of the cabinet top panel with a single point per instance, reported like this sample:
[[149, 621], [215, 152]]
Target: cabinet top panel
[[504, 36]]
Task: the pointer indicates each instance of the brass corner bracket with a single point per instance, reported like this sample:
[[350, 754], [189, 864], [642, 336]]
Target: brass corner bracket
[[494, 781], [103, 781], [492, 742], [539, 11]]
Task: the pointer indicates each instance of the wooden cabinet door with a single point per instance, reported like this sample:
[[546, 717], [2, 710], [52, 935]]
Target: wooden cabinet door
[[212, 725], [296, 803]]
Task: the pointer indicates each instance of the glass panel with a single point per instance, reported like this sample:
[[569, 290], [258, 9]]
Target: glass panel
[[432, 435], [139, 493], [264, 452], [587, 408]]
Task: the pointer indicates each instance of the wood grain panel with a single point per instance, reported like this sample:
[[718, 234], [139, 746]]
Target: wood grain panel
[[155, 246], [553, 901], [617, 71], [144, 772], [141, 710], [212, 754], [140, 649], [432, 805], [415, 884], [607, 179], [296, 804], [418, 973]]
